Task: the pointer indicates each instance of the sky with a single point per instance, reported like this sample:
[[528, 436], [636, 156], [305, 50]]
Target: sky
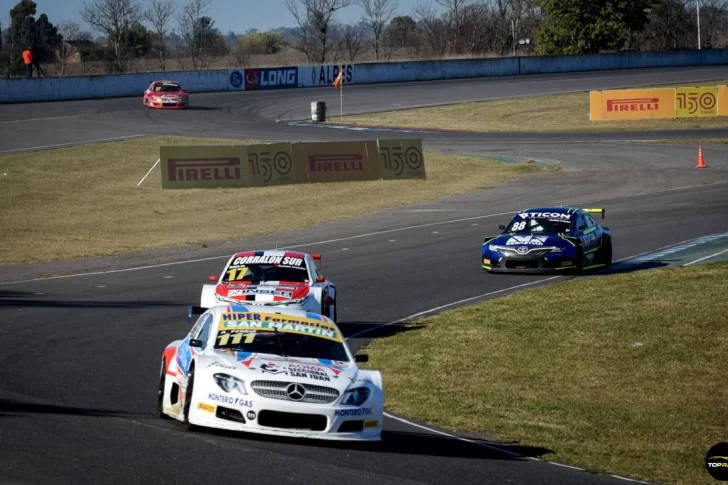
[[235, 15]]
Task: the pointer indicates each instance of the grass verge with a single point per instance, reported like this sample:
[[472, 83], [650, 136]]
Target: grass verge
[[83, 201], [537, 114], [621, 373]]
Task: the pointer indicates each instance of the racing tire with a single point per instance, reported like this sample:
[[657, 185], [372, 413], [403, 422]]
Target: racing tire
[[579, 262], [188, 399], [160, 395], [607, 256]]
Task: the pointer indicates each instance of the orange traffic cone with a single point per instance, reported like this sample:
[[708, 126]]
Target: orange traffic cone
[[701, 160]]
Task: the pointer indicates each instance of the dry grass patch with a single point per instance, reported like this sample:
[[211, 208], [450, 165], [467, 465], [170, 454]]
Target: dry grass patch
[[83, 201], [544, 114], [621, 373]]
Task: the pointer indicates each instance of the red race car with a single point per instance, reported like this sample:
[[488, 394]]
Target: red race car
[[166, 95]]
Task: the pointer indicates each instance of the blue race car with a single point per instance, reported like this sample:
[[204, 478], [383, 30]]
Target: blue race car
[[549, 239]]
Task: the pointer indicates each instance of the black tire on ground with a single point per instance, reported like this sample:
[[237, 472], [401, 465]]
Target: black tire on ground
[[579, 262], [188, 398], [607, 256], [160, 395]]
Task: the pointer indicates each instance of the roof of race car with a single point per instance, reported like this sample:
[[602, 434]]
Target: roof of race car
[[283, 318], [559, 210], [165, 82], [270, 252]]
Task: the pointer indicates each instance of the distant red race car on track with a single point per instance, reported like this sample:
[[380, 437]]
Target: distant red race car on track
[[166, 95]]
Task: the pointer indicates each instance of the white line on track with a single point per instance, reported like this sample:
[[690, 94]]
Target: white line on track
[[42, 119], [706, 257], [59, 145]]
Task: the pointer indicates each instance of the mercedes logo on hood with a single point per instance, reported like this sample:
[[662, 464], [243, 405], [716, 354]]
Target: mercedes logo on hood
[[295, 391]]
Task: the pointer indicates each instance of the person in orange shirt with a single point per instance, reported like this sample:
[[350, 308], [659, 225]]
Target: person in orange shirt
[[28, 60]]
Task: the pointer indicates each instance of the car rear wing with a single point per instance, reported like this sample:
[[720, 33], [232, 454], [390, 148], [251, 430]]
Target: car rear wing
[[596, 211], [194, 310]]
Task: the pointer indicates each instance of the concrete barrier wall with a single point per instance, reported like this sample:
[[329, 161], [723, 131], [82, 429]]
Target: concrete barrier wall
[[434, 70], [90, 87], [622, 60]]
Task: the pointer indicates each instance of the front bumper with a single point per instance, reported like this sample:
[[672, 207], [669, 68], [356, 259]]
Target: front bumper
[[162, 105], [283, 418], [535, 265]]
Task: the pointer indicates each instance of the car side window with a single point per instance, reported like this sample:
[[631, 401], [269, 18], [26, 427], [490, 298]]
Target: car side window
[[590, 222], [580, 223], [197, 328], [204, 333]]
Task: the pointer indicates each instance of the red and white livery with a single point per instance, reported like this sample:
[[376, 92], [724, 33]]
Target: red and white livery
[[273, 278], [278, 372], [166, 95]]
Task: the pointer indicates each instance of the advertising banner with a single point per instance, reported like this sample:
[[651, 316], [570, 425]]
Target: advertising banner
[[274, 164], [632, 104], [271, 78], [236, 80], [698, 102], [324, 75], [401, 159], [339, 161], [202, 167], [722, 100]]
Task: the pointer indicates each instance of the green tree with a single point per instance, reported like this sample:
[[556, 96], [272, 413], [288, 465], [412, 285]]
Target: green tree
[[400, 31], [136, 40], [25, 31], [589, 26]]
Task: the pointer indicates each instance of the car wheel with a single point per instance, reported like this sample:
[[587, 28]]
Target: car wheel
[[188, 398], [160, 395], [579, 263], [607, 256]]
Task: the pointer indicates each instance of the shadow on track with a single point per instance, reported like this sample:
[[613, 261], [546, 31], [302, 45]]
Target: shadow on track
[[403, 443], [374, 329], [13, 299], [13, 407]]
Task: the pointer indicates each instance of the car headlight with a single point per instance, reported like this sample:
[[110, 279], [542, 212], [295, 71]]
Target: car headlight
[[356, 396], [228, 383]]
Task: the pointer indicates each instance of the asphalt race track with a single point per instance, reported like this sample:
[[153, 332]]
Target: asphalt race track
[[80, 355]]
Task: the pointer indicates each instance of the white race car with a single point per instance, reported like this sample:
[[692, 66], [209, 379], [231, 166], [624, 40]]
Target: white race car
[[274, 279], [279, 372]]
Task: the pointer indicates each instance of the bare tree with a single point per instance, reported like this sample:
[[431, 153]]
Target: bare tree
[[712, 16], [112, 18], [434, 30], [70, 31], [158, 15], [377, 13], [314, 19], [197, 30], [454, 17], [351, 43]]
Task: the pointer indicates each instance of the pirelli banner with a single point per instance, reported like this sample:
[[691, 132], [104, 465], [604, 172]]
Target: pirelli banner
[[240, 166], [632, 104], [658, 103]]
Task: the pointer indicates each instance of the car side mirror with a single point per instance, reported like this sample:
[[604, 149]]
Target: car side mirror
[[316, 257], [196, 343], [502, 227], [212, 277], [361, 358], [320, 279]]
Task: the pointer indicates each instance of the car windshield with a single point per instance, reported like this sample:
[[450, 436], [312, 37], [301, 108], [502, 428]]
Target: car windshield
[[281, 343], [538, 224], [167, 88], [276, 268]]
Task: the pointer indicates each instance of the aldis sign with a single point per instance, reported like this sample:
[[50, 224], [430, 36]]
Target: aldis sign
[[271, 78], [325, 75]]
